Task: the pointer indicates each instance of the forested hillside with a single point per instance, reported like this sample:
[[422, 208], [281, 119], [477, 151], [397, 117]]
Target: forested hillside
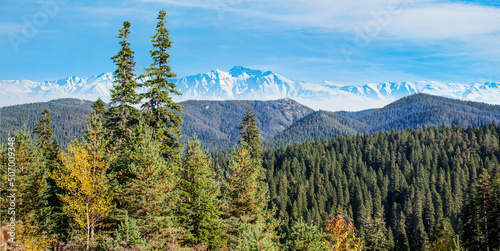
[[400, 187], [423, 109], [414, 111], [318, 125], [214, 121], [68, 116]]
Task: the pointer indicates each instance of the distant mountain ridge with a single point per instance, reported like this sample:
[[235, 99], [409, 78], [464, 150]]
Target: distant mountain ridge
[[414, 111], [240, 83], [281, 122]]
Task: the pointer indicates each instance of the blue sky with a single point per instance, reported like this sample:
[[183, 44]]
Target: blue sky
[[342, 41]]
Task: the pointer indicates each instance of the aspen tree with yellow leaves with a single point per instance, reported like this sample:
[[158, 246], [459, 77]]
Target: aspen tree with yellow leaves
[[88, 199]]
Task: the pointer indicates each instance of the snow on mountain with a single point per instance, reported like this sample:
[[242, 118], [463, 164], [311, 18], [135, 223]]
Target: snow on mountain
[[243, 83]]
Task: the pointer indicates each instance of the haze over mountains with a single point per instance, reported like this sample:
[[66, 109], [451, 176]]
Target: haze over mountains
[[242, 83]]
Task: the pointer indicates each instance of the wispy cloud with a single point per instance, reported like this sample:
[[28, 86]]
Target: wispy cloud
[[120, 11], [9, 28]]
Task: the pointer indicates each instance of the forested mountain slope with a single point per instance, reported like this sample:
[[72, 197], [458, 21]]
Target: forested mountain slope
[[419, 179], [318, 125], [414, 111], [214, 122], [68, 116], [423, 109]]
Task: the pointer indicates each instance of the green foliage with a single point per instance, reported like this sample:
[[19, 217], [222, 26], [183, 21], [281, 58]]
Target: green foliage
[[402, 243], [305, 237], [418, 176], [255, 236], [376, 234], [123, 95], [50, 151], [199, 211], [213, 122], [68, 117], [99, 108], [444, 236], [159, 108], [31, 211], [482, 220], [250, 134], [144, 187]]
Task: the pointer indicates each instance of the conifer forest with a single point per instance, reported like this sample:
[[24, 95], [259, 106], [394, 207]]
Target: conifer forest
[[132, 181]]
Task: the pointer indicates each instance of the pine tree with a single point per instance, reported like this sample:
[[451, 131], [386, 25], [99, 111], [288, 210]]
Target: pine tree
[[255, 237], [477, 232], [88, 197], [305, 237], [444, 236], [99, 108], [145, 191], [402, 243], [250, 134], [123, 95], [198, 211], [159, 108], [33, 213], [376, 233], [245, 192], [50, 150]]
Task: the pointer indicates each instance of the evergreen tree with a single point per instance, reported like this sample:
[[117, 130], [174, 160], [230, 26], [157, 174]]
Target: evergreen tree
[[305, 237], [402, 243], [245, 192], [480, 224], [159, 108], [145, 189], [50, 150], [255, 237], [122, 114], [198, 211], [99, 108], [376, 233], [444, 236], [44, 135], [32, 212], [250, 134]]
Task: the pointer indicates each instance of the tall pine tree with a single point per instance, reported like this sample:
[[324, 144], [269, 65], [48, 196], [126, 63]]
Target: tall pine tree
[[145, 191], [48, 145], [159, 109], [199, 208], [250, 134], [122, 114]]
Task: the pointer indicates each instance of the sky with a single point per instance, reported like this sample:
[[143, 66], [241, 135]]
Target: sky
[[341, 41]]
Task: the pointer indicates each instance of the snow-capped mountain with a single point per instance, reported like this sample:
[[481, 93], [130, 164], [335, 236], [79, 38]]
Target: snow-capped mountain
[[243, 83]]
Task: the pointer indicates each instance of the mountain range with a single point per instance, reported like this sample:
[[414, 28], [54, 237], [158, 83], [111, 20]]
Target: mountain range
[[242, 83], [281, 122]]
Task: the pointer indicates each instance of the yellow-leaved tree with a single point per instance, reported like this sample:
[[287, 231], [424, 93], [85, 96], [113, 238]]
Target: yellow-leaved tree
[[88, 197]]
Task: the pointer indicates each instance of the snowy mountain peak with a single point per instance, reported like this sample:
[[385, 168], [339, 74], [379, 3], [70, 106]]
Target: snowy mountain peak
[[245, 83], [240, 70]]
